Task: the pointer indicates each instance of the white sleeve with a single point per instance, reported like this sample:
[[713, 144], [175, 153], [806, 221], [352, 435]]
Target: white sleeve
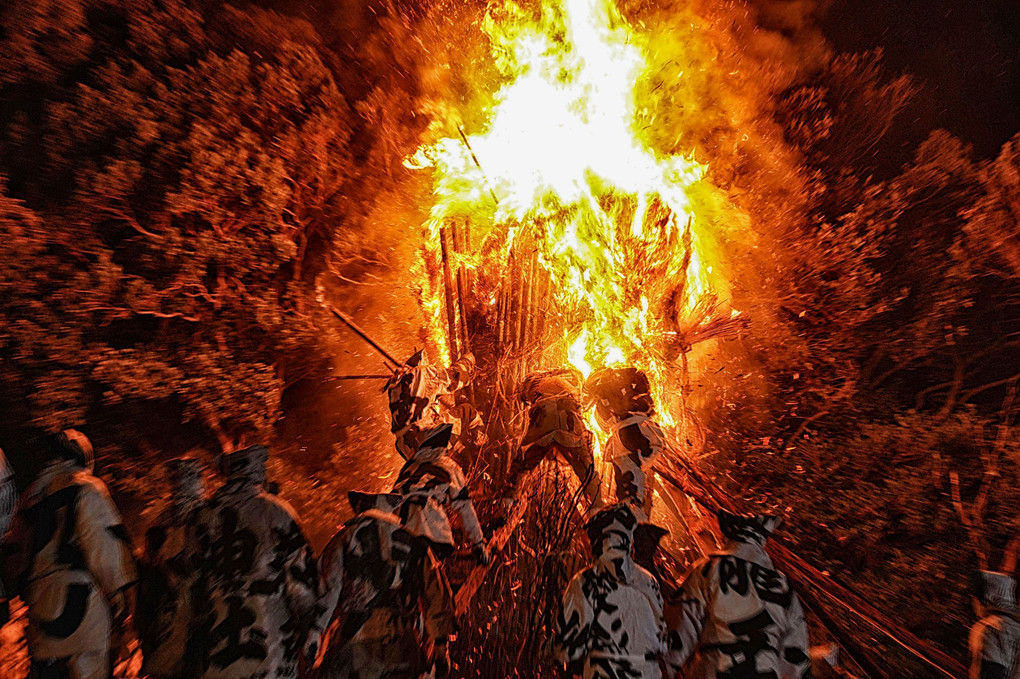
[[794, 646], [103, 539], [572, 635], [686, 614]]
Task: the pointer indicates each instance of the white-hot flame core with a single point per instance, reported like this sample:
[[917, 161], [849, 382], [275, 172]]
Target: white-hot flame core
[[563, 155]]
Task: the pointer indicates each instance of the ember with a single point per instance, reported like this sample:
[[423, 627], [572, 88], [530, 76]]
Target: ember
[[563, 166], [565, 297]]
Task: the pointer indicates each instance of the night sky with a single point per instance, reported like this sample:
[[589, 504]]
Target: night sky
[[964, 53]]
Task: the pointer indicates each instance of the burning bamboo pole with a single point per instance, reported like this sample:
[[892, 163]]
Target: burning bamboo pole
[[547, 306], [501, 316], [451, 313], [528, 322], [524, 288], [462, 285], [517, 301], [507, 288]]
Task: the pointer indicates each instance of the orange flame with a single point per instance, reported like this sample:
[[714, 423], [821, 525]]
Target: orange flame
[[562, 156]]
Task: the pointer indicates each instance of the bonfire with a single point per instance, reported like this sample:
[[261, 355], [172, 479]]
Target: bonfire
[[558, 237]]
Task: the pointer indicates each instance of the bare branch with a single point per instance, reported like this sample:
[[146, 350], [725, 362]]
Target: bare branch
[[976, 540], [124, 311], [129, 218]]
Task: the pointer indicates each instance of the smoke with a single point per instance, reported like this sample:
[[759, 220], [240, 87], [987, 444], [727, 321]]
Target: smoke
[[716, 71]]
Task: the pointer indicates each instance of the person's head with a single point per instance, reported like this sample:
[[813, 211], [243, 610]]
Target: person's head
[[546, 383], [384, 502], [992, 591], [187, 485], [619, 393], [611, 530], [247, 465], [434, 441], [646, 543], [72, 446], [747, 528]]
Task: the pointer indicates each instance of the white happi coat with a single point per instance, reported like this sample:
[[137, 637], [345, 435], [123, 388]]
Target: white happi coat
[[258, 579], [736, 615], [421, 397], [634, 445], [72, 557], [382, 589], [995, 639], [611, 623], [427, 482], [554, 412], [166, 616]]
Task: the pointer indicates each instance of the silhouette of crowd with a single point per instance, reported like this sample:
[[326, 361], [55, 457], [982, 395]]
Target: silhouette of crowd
[[227, 586]]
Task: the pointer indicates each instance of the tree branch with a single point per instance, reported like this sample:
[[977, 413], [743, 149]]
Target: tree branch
[[124, 311]]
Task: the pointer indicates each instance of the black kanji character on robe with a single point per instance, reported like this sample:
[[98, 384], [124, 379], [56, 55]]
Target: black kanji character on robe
[[72, 564], [256, 577], [752, 639], [736, 616]]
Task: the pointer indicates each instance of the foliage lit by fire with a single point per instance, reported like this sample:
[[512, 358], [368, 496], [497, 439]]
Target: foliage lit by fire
[[179, 177]]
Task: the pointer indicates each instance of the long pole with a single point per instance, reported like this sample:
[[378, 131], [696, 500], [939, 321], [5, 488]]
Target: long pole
[[467, 144], [364, 335], [451, 311], [458, 248]]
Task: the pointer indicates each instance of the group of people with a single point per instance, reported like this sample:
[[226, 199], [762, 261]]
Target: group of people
[[227, 586], [223, 587], [734, 616]]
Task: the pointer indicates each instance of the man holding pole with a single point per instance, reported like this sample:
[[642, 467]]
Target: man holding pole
[[555, 425]]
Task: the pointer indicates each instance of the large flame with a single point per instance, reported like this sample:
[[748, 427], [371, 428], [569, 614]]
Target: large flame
[[561, 155]]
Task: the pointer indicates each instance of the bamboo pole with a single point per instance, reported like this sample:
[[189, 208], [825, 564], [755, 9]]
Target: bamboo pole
[[528, 319], [536, 311], [501, 315], [462, 287], [505, 324], [511, 301], [364, 335], [544, 306], [520, 293], [451, 313], [468, 249]]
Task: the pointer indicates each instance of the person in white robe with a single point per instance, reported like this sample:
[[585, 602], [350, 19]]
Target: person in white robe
[[257, 577], [72, 565], [387, 606], [736, 615], [611, 624], [429, 482]]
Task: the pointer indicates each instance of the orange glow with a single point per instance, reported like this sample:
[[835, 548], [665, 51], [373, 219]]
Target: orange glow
[[561, 156]]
